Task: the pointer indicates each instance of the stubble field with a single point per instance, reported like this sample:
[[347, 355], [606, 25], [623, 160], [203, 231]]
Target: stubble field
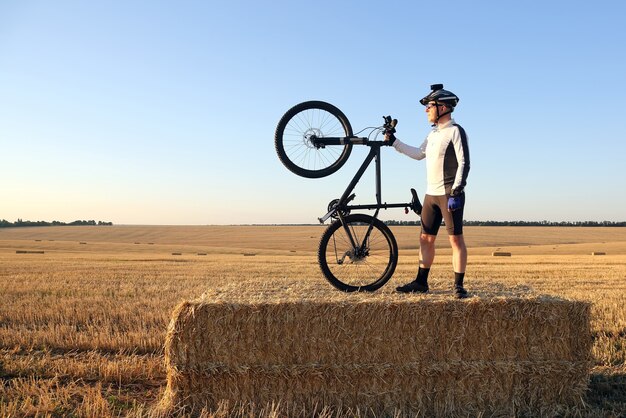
[[82, 326]]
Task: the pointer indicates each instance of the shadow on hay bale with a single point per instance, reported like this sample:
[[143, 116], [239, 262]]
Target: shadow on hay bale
[[384, 354]]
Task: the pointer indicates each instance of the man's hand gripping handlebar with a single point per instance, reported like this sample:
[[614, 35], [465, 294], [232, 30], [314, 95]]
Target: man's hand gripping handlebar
[[389, 129]]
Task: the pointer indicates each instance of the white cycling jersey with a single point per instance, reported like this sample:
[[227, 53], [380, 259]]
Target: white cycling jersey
[[447, 158]]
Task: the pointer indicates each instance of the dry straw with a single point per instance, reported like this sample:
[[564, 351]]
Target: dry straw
[[382, 353]]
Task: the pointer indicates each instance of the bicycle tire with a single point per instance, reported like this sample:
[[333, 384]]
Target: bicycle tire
[[296, 151], [351, 273]]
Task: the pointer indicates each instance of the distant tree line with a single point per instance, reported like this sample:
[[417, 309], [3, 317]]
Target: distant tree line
[[522, 223], [6, 224]]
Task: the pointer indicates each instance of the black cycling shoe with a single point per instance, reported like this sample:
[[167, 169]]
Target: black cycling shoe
[[413, 287], [460, 292]]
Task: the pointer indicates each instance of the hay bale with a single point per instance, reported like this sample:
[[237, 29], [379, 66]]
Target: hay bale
[[28, 252], [598, 253], [501, 254], [177, 253], [421, 356]]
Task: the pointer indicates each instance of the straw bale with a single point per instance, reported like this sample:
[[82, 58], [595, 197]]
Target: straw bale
[[598, 253], [501, 254], [426, 356]]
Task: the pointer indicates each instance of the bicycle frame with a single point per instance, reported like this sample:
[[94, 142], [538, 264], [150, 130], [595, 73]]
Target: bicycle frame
[[374, 154]]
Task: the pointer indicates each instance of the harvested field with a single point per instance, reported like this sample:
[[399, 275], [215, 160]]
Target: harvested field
[[83, 327]]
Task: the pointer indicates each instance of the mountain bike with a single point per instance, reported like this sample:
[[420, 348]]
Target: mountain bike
[[357, 252]]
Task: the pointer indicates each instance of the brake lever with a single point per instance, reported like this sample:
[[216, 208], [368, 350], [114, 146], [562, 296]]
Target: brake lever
[[389, 127], [390, 124]]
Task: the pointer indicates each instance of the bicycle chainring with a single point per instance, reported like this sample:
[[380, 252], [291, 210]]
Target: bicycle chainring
[[332, 205]]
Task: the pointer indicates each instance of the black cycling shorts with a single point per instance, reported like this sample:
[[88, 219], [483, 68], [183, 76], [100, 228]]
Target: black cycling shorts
[[435, 209]]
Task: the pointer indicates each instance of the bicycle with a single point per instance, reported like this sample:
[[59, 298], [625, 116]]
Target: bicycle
[[357, 252]]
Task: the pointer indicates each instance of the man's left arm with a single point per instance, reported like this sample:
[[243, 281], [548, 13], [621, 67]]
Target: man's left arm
[[461, 149]]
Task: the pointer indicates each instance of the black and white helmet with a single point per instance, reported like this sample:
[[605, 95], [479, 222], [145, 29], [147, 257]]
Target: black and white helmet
[[439, 95]]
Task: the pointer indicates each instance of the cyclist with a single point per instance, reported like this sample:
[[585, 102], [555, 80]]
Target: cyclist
[[447, 166]]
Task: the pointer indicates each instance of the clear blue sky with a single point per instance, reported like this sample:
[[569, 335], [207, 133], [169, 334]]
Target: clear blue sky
[[153, 112]]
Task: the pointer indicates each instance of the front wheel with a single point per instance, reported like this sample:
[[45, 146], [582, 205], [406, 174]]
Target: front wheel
[[293, 139], [366, 266]]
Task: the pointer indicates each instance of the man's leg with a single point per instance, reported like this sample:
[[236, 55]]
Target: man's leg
[[459, 253], [427, 256], [454, 225], [427, 250], [459, 263], [431, 220]]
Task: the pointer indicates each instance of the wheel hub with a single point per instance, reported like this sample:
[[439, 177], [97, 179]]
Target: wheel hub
[[357, 256], [311, 132]]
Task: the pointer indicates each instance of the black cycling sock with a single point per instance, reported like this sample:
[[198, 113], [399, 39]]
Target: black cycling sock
[[458, 279], [422, 275]]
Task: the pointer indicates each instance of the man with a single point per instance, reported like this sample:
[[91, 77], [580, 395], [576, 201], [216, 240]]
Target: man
[[447, 164]]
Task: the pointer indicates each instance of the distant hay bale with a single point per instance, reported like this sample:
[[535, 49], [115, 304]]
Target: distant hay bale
[[426, 357], [202, 253], [249, 254], [137, 243], [29, 252], [82, 243], [501, 254], [598, 253], [177, 253]]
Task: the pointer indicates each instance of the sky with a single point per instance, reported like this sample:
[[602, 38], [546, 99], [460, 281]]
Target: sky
[[155, 112]]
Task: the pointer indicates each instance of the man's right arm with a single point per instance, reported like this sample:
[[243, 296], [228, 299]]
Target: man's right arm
[[410, 151]]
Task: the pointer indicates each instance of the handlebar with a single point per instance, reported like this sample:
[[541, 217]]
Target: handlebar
[[388, 128], [355, 140]]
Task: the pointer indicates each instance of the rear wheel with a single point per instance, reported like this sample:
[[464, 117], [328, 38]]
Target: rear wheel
[[293, 139], [364, 267]]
